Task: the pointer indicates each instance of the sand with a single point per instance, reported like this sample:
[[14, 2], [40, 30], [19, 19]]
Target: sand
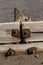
[[32, 8]]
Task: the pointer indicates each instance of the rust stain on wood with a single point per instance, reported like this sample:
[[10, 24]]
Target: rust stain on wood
[[8, 31]]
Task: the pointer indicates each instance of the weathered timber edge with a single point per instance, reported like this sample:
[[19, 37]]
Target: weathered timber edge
[[21, 48]]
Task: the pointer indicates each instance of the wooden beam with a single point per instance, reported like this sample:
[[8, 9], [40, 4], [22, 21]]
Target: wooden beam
[[21, 48], [6, 37], [9, 25], [34, 26]]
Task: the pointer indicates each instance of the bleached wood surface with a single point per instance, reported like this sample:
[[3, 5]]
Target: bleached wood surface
[[34, 26], [21, 47]]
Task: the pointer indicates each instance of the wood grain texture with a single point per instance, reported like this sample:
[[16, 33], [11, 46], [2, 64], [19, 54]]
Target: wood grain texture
[[21, 48], [6, 37], [34, 26]]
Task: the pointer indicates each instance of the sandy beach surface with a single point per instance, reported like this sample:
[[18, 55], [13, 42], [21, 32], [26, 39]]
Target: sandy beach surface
[[32, 8]]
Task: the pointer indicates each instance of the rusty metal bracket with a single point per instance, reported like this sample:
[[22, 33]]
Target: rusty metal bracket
[[22, 34]]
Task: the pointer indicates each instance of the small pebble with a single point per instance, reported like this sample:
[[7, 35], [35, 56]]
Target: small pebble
[[36, 56], [41, 62]]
